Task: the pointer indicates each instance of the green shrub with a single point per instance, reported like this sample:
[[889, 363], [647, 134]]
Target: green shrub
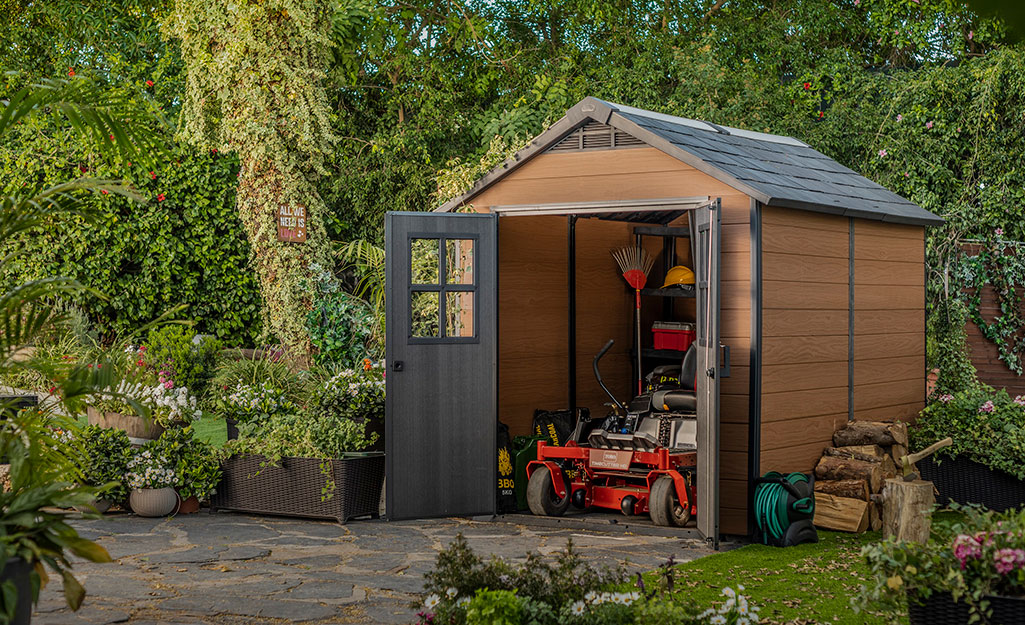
[[341, 326], [356, 393], [196, 467], [986, 426], [494, 607], [107, 451], [175, 352]]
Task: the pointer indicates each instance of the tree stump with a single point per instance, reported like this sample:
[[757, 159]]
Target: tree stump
[[907, 510], [836, 468]]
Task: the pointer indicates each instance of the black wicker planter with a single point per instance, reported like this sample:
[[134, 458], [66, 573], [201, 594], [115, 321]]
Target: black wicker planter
[[940, 609], [966, 481], [231, 427], [295, 487]]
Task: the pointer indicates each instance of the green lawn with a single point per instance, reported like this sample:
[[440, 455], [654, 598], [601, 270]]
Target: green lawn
[[804, 584], [209, 429]]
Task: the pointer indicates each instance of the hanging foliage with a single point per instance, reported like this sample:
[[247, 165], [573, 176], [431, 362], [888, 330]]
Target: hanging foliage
[[999, 265], [254, 73]]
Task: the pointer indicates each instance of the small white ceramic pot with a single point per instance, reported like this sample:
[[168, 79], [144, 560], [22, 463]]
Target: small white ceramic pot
[[153, 502]]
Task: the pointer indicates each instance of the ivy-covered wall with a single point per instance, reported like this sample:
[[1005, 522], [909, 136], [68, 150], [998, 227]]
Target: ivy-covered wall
[[185, 245]]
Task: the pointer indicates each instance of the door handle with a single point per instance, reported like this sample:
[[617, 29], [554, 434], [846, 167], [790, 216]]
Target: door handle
[[397, 366], [725, 371]]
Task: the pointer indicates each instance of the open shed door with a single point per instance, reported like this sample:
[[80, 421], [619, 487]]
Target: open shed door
[[442, 334], [705, 229]]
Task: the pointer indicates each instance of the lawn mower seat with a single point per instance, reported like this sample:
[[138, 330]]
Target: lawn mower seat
[[681, 399]]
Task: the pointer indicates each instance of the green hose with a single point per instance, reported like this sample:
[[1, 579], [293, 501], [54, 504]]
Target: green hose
[[773, 507]]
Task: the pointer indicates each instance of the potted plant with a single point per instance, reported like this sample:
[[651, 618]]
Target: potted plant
[[356, 394], [252, 405], [152, 480], [106, 453], [986, 463], [311, 462], [971, 570], [195, 464], [119, 407]]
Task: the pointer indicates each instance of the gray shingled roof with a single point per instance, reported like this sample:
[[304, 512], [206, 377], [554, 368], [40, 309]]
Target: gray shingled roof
[[775, 170]]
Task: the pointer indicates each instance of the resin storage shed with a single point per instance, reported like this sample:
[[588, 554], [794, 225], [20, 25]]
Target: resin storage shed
[[810, 274]]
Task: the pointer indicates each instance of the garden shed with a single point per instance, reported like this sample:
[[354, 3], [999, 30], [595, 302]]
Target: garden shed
[[811, 275]]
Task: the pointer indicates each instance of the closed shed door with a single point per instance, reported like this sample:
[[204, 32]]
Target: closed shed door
[[441, 406]]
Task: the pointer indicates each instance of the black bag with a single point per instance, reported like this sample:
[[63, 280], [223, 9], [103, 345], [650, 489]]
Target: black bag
[[506, 482], [556, 426]]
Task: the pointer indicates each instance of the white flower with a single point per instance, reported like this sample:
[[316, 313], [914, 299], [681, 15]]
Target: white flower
[[462, 601], [743, 621], [591, 596], [577, 608], [718, 619], [740, 587], [431, 601], [451, 592], [728, 592]]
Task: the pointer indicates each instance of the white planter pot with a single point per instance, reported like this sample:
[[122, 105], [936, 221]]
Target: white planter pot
[[153, 502]]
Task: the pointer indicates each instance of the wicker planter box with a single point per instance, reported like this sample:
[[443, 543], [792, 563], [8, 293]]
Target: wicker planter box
[[940, 609], [295, 487], [966, 481], [139, 430]]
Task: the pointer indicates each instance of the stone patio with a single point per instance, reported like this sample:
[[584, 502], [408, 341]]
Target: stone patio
[[233, 569]]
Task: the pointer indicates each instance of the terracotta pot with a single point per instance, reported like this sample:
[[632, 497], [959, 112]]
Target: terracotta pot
[[19, 571], [101, 505], [139, 430], [153, 502], [188, 505]]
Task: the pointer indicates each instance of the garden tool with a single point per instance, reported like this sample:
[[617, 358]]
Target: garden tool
[[635, 263], [908, 461]]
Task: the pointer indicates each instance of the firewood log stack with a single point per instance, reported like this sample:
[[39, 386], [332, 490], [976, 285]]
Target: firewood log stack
[[863, 456]]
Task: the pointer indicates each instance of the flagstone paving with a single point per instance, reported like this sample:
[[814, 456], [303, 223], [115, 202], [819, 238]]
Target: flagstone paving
[[233, 569]]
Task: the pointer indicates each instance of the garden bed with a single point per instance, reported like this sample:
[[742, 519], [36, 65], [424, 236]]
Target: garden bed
[[296, 486], [965, 481]]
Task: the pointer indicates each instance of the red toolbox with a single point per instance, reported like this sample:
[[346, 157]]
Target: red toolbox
[[673, 335]]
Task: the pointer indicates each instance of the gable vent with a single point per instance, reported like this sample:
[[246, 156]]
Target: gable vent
[[595, 136]]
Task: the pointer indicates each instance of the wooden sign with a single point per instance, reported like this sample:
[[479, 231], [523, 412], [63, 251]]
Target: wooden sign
[[610, 459], [291, 223]]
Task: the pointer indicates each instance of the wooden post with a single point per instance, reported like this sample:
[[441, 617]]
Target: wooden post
[[907, 510]]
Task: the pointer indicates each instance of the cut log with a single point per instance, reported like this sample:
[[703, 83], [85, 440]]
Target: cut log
[[854, 489], [836, 468], [867, 453], [842, 514], [890, 469], [871, 433], [907, 510], [875, 517], [897, 452]]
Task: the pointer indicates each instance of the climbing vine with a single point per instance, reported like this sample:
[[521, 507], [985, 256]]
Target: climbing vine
[[1001, 266], [254, 73]]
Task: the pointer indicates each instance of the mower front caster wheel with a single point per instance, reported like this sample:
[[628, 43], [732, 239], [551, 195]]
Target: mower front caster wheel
[[541, 495], [666, 508]]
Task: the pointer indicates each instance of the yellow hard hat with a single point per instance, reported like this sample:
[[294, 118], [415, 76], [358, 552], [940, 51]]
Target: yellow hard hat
[[679, 275]]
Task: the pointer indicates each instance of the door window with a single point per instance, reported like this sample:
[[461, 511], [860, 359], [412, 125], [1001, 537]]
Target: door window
[[442, 289]]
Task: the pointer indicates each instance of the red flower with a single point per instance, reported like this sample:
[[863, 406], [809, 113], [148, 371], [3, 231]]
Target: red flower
[[71, 71], [83, 168], [160, 197], [104, 191], [52, 390], [129, 163], [140, 363], [153, 175], [821, 114], [807, 85], [111, 137], [214, 150], [90, 365], [149, 83]]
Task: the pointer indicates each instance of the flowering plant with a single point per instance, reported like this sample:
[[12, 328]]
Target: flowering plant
[[978, 555], [150, 469], [167, 406], [251, 403], [356, 393], [986, 426]]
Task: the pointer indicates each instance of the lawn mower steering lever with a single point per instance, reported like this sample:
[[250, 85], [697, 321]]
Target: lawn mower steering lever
[[597, 374]]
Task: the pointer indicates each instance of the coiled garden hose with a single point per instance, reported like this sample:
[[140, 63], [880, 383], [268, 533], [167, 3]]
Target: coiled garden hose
[[774, 511]]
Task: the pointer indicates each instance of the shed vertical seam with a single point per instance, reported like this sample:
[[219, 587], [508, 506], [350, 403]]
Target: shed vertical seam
[[754, 419], [850, 319]]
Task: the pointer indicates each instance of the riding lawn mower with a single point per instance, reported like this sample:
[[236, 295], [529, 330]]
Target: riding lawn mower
[[641, 459]]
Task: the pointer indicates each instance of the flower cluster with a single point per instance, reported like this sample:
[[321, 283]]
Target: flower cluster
[[593, 598], [168, 405], [987, 407], [1007, 554], [149, 470], [248, 403], [736, 610], [354, 393], [946, 398]]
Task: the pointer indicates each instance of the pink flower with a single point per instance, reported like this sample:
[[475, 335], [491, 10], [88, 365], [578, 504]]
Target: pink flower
[[971, 35], [1020, 400], [907, 175], [928, 124], [946, 398], [966, 548], [999, 232], [1006, 560], [899, 117], [857, 2], [169, 384], [987, 407], [882, 153]]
